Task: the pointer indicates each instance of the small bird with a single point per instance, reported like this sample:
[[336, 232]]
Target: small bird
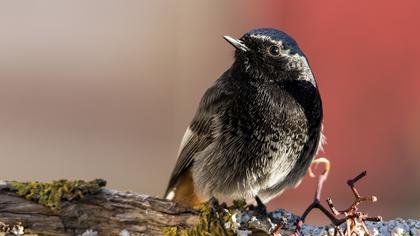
[[257, 128]]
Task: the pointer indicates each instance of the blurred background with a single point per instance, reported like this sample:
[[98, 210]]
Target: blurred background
[[106, 89]]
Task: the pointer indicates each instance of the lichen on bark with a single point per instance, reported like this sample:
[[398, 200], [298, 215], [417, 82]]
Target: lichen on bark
[[52, 194], [227, 218]]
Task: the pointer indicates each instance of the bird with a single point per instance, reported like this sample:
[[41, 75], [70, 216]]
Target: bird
[[257, 128]]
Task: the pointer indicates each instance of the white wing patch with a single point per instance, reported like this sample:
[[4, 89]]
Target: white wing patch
[[185, 139], [170, 195]]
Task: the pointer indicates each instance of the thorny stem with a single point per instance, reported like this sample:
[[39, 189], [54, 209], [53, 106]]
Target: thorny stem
[[322, 177], [337, 229], [351, 183], [352, 216], [279, 226], [316, 203], [332, 208], [374, 218]]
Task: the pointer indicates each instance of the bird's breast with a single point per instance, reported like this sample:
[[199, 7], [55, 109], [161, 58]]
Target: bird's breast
[[267, 132], [260, 137]]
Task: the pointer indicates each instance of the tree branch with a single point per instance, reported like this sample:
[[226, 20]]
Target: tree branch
[[111, 212]]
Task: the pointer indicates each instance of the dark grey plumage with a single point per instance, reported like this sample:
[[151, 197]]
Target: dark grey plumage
[[258, 128]]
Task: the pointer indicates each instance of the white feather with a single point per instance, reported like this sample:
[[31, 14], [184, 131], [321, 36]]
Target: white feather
[[185, 139]]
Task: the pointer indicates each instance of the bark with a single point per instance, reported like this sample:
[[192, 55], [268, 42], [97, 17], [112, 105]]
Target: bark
[[111, 212]]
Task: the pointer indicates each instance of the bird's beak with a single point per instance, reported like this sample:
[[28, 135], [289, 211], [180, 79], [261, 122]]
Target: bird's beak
[[236, 43]]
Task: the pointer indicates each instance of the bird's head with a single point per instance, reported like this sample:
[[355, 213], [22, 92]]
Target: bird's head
[[270, 54]]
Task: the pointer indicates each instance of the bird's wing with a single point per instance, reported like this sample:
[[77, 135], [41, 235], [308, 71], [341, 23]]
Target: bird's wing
[[200, 133]]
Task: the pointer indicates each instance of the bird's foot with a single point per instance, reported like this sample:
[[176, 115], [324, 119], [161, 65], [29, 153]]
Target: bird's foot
[[260, 209], [214, 213]]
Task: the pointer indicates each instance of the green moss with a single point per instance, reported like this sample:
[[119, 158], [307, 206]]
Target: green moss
[[51, 194], [201, 229]]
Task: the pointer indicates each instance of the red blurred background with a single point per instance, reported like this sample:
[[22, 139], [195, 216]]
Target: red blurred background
[[106, 89], [365, 56]]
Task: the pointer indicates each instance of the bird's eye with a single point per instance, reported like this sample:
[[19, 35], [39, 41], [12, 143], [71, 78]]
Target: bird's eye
[[274, 50]]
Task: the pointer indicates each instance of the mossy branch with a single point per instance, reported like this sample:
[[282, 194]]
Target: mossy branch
[[52, 194], [86, 208]]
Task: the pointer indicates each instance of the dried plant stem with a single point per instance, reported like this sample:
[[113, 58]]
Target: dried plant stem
[[353, 218]]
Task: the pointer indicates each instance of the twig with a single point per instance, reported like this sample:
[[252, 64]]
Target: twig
[[353, 218]]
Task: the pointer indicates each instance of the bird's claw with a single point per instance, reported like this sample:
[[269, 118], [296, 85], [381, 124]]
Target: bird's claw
[[260, 209]]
